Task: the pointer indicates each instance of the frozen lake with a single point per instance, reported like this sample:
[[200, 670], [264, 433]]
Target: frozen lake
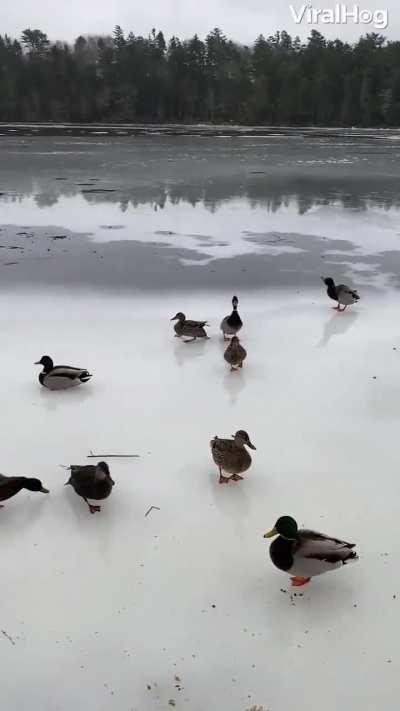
[[140, 212], [102, 240]]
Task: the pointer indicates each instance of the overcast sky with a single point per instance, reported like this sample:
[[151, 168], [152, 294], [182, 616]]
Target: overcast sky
[[242, 20]]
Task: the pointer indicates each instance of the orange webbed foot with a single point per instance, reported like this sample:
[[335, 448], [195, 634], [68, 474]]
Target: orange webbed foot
[[298, 581]]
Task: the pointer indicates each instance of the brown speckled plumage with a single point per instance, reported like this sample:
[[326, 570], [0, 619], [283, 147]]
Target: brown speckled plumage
[[235, 354], [231, 456]]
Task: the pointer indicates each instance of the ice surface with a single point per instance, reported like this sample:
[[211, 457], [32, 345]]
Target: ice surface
[[107, 611], [132, 612]]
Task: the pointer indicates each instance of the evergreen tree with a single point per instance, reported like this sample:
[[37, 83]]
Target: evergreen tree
[[125, 77]]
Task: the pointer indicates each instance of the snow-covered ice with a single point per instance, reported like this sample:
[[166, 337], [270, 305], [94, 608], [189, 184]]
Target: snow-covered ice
[[126, 612]]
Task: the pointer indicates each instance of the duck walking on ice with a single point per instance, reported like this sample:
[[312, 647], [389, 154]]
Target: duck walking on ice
[[91, 482], [232, 324], [344, 295], [235, 354], [12, 485], [231, 456], [304, 553], [192, 329], [60, 377]]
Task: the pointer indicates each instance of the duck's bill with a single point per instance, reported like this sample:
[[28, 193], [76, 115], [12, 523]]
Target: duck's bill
[[37, 362], [271, 533], [249, 444], [174, 318], [44, 491]]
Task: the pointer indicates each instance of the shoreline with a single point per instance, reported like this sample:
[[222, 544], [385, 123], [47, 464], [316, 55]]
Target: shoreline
[[192, 130]]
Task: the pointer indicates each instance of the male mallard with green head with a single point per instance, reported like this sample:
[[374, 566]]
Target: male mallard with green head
[[231, 456], [344, 295], [232, 324], [60, 377], [91, 482], [304, 553], [185, 327]]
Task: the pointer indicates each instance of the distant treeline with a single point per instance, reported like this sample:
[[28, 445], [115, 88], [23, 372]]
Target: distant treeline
[[128, 78]]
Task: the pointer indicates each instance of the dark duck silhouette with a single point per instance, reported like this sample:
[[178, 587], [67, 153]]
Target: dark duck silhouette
[[60, 377], [12, 485], [344, 295], [91, 482], [232, 324]]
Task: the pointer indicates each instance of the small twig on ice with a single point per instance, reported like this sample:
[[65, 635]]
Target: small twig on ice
[[95, 456], [151, 508], [10, 639]]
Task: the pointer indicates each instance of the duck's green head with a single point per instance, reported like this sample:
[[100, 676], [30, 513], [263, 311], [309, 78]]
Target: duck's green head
[[286, 527]]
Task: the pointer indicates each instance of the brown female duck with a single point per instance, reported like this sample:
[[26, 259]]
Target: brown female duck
[[192, 329], [235, 354], [231, 457]]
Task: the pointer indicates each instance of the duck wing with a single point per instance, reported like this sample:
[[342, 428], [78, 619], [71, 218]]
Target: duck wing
[[316, 553], [221, 449], [229, 457], [81, 474], [67, 371], [64, 376], [193, 328], [224, 323], [195, 324], [316, 545], [347, 295]]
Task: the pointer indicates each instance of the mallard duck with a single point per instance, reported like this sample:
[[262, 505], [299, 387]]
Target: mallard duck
[[184, 327], [11, 485], [232, 324], [235, 354], [91, 482], [306, 553], [340, 293], [231, 456], [60, 377]]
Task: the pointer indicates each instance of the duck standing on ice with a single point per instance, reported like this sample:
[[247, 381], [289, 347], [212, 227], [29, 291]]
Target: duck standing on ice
[[91, 482], [344, 295], [235, 354], [231, 457], [191, 329], [60, 377], [232, 324], [304, 553]]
